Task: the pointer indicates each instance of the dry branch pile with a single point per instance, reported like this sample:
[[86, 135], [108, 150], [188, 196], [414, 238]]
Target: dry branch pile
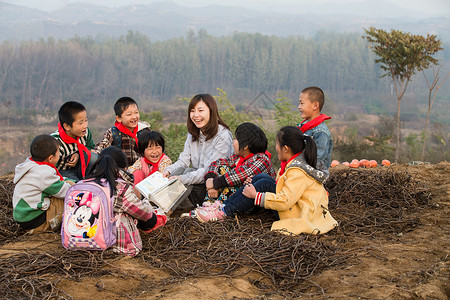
[[371, 202], [234, 248], [365, 203], [33, 274], [8, 227]]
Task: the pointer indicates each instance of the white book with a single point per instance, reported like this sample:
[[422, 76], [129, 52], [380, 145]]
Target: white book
[[162, 191]]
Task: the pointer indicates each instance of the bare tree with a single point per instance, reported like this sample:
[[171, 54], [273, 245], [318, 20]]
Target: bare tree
[[401, 55], [433, 88]]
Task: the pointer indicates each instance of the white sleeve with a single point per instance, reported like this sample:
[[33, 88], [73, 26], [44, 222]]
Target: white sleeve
[[184, 160]]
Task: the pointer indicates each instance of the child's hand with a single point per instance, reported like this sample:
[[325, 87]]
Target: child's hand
[[209, 183], [166, 173], [136, 192], [212, 193], [248, 180], [249, 191], [70, 182], [176, 177], [73, 160]]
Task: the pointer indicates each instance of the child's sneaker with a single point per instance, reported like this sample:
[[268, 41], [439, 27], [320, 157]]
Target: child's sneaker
[[210, 214], [207, 205], [161, 220], [212, 205]]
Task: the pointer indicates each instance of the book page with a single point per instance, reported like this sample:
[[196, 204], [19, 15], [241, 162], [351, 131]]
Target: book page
[[152, 183]]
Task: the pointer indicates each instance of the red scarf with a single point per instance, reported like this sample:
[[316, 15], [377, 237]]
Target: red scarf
[[127, 131], [50, 165], [242, 159], [285, 163], [81, 148], [313, 123], [154, 165]]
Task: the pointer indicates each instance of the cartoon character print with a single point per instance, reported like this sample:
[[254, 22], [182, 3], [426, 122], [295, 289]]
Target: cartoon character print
[[82, 219]]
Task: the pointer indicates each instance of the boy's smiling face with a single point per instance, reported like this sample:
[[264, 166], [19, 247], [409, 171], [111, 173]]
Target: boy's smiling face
[[129, 117], [308, 110], [79, 125]]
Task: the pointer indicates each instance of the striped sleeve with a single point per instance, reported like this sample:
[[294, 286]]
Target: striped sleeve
[[105, 143], [135, 207]]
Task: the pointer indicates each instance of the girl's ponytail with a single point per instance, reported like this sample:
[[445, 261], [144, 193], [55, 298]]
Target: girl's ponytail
[[310, 151], [110, 160], [292, 137], [105, 168]]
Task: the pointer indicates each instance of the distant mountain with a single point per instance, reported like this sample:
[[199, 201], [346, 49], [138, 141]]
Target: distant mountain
[[164, 20]]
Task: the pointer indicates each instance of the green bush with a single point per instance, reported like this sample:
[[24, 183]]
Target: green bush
[[284, 111]]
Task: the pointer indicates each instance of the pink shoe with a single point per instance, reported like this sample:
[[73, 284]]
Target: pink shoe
[[210, 214], [161, 220], [212, 205]]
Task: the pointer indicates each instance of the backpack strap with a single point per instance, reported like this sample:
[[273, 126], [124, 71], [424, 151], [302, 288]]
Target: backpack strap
[[117, 137]]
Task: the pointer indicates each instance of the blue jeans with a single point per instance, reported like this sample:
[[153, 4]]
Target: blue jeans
[[239, 203], [75, 173]]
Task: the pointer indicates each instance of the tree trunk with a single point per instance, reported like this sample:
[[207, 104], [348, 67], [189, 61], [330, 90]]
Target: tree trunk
[[397, 138], [425, 133]]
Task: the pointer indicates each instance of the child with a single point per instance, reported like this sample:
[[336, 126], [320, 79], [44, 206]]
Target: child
[[311, 102], [131, 212], [75, 139], [40, 189], [298, 194], [151, 149], [126, 131], [224, 176], [209, 139]]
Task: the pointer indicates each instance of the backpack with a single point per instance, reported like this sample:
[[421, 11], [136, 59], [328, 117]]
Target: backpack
[[88, 219]]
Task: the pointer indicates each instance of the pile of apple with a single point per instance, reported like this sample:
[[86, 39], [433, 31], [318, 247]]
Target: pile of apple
[[363, 163]]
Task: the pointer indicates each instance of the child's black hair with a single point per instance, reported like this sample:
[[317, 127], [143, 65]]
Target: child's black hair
[[122, 104], [68, 110], [292, 137], [248, 134], [148, 139], [43, 146], [315, 94], [107, 166]]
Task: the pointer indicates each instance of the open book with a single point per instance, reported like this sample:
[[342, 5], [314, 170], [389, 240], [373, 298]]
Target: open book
[[163, 192]]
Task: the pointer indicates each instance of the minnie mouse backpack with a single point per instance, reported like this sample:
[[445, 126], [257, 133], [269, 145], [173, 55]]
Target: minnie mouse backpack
[[88, 219]]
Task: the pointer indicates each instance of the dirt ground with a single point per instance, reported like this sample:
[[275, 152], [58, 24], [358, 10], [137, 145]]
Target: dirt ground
[[409, 265]]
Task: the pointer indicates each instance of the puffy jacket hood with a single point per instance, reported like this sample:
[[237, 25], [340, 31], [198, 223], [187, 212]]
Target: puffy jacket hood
[[23, 168]]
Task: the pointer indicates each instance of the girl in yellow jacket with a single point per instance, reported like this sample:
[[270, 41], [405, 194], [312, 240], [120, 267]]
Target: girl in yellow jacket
[[297, 195]]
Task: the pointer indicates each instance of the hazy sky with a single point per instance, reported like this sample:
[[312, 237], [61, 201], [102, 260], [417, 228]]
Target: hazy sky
[[441, 7]]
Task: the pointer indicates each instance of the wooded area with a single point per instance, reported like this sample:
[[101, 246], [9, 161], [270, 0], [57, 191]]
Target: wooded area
[[45, 73]]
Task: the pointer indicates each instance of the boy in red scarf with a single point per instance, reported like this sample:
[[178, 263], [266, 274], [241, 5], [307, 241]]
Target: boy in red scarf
[[76, 142], [126, 130], [40, 189], [311, 102]]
